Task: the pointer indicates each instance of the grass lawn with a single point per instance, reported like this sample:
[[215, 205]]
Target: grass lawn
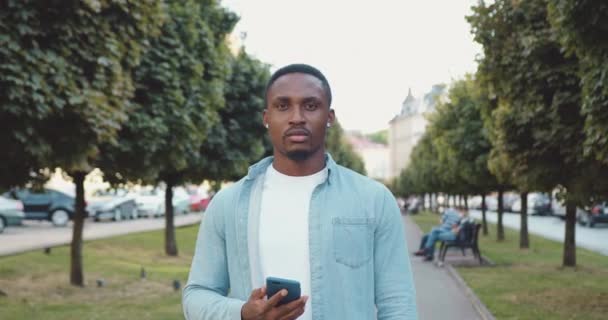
[[531, 284], [37, 285]]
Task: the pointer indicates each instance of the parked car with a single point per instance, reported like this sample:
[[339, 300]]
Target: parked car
[[492, 203], [181, 201], [559, 210], [597, 214], [45, 204], [113, 204], [475, 202], [11, 213], [538, 204], [151, 202], [199, 200], [508, 200]]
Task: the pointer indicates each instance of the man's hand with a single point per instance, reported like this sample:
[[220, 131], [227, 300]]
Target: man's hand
[[257, 308]]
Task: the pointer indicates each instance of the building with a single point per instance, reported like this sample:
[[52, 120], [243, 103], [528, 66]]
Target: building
[[375, 155], [406, 128]]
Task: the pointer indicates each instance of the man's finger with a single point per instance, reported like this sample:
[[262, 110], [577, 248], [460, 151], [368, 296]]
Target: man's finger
[[290, 307], [258, 293], [274, 300], [294, 314]]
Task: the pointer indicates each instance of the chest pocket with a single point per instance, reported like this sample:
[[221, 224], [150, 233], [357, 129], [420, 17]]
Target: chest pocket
[[353, 240]]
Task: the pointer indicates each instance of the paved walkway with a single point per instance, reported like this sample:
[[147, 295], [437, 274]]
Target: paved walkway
[[440, 294]]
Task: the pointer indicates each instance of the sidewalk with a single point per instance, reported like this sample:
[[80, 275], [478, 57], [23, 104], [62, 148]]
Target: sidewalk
[[39, 235], [440, 292]]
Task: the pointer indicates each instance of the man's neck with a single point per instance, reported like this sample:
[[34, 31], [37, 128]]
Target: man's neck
[[301, 168]]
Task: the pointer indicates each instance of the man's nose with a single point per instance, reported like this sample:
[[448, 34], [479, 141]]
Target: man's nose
[[296, 117]]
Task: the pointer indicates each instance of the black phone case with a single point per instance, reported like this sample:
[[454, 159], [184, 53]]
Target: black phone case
[[274, 285]]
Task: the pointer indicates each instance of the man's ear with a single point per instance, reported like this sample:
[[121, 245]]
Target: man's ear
[[331, 117], [265, 118]]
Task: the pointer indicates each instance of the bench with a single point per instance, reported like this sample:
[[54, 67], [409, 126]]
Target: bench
[[467, 237]]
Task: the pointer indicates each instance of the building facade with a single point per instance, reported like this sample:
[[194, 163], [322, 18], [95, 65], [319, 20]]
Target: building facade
[[375, 156], [406, 128]]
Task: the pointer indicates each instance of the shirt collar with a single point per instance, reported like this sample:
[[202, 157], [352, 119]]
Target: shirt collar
[[260, 167]]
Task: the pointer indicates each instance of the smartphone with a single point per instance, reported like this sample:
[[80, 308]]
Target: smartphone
[[274, 285]]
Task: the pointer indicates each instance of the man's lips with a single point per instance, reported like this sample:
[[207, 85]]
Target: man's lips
[[297, 135]]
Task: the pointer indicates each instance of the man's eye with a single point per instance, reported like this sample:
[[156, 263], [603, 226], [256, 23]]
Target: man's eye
[[282, 106], [311, 106]]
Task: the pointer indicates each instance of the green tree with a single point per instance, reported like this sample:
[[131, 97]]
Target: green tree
[[341, 151], [65, 86], [237, 139], [538, 122], [458, 131], [380, 137], [581, 27], [179, 91], [423, 174]]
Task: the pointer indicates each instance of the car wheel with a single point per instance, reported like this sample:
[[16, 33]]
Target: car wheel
[[60, 218], [2, 224], [117, 215]]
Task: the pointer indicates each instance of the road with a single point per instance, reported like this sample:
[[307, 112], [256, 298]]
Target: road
[[595, 239], [34, 235]]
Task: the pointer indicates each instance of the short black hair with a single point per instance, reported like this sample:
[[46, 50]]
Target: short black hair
[[299, 68]]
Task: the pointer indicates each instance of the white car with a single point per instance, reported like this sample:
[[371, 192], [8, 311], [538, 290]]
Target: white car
[[537, 204], [114, 205], [11, 213], [559, 210], [151, 202], [475, 202]]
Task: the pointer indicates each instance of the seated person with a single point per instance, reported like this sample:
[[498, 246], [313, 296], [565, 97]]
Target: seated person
[[450, 221], [443, 235]]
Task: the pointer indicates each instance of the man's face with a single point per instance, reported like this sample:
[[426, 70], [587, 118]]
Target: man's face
[[297, 114]]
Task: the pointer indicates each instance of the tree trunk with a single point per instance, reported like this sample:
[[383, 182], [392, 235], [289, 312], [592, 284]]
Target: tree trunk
[[76, 273], [454, 201], [170, 243], [500, 232], [524, 239], [466, 203], [569, 240], [484, 222]]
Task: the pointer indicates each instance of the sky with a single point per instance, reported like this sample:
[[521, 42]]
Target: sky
[[371, 52]]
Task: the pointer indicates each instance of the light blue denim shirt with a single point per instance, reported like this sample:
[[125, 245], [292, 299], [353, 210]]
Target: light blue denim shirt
[[358, 255]]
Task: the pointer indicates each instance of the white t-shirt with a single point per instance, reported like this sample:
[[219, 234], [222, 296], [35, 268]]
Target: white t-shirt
[[284, 251]]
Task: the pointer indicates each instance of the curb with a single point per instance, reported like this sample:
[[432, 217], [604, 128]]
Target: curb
[[481, 308]]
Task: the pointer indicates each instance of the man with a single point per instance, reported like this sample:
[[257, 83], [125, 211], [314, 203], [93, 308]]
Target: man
[[299, 215], [449, 219], [447, 231]]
